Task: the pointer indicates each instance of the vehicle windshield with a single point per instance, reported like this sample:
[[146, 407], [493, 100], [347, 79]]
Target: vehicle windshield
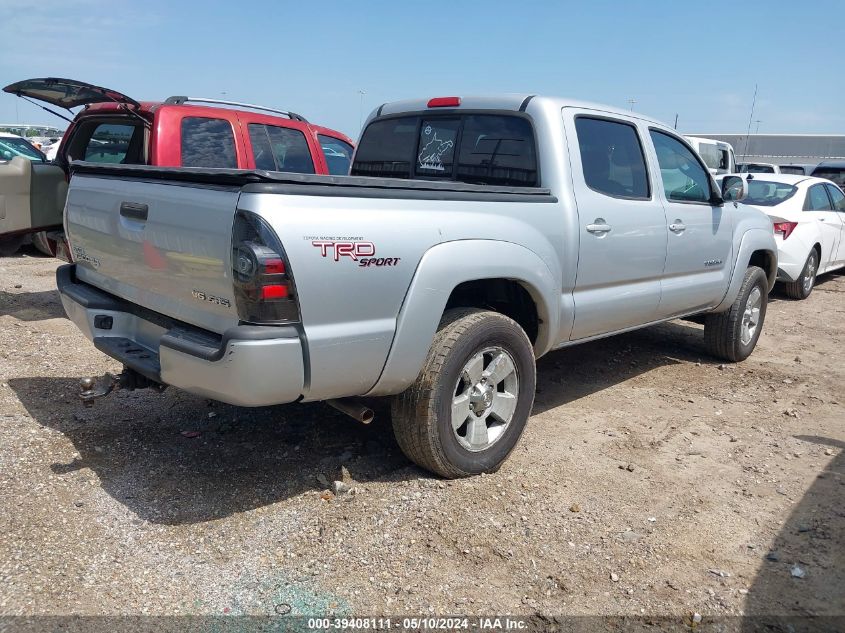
[[836, 174], [11, 147], [763, 193], [753, 168]]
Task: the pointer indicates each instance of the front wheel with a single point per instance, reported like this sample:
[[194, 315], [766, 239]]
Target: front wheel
[[733, 334], [469, 406], [802, 288]]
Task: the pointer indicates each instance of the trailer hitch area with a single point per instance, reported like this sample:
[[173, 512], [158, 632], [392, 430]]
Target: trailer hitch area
[[91, 389]]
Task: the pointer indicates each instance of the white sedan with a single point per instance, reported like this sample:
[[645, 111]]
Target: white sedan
[[808, 215]]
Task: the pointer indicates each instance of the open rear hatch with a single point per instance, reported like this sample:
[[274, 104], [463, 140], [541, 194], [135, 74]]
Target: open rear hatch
[[66, 93], [32, 193]]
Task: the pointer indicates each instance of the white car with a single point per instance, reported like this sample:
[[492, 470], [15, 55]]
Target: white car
[[808, 215]]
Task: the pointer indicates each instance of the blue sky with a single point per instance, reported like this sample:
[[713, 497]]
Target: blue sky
[[697, 59]]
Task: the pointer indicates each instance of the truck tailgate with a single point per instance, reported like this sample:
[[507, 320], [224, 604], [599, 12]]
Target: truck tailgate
[[162, 245]]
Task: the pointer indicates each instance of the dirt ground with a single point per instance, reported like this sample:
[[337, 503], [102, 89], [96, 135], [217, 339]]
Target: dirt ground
[[651, 480]]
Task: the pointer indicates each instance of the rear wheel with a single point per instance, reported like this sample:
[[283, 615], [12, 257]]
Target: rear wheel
[[733, 334], [803, 286], [469, 406], [10, 245]]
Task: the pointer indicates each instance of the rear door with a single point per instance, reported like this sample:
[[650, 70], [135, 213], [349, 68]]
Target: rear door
[[818, 206], [622, 225], [838, 200], [700, 233], [285, 146]]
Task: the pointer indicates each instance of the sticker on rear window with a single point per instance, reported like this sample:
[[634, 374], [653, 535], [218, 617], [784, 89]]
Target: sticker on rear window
[[437, 146]]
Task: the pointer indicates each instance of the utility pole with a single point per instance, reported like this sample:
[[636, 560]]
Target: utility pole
[[750, 118], [632, 101], [361, 110]]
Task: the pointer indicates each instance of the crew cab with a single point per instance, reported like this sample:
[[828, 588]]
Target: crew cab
[[179, 132], [475, 235]]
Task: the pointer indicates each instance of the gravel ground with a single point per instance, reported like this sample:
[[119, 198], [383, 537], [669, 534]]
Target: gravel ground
[[651, 480]]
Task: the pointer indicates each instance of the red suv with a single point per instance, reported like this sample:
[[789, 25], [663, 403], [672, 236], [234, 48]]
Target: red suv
[[178, 132]]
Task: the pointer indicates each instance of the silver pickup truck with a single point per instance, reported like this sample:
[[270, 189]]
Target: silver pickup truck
[[473, 236]]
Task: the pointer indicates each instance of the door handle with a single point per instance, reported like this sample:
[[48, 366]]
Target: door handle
[[134, 211], [599, 227], [677, 227]]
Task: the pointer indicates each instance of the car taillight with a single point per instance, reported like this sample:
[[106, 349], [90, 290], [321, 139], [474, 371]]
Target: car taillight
[[264, 290], [785, 228]]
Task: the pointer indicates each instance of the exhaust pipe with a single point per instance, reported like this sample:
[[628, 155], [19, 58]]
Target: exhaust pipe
[[353, 408]]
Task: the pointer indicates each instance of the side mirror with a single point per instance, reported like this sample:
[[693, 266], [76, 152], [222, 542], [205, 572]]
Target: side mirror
[[734, 189]]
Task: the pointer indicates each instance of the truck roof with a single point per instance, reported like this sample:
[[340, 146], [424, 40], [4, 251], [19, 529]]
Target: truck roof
[[507, 101]]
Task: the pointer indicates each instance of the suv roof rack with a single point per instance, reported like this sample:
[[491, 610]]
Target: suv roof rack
[[178, 100]]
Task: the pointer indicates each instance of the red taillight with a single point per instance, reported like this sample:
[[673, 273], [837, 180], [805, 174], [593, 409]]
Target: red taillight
[[275, 291], [785, 228], [274, 267], [444, 102]]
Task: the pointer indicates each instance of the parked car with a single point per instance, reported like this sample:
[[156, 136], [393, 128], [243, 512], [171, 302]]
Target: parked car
[[12, 145], [717, 155], [808, 215], [831, 170], [757, 168], [798, 169], [181, 131], [488, 231]]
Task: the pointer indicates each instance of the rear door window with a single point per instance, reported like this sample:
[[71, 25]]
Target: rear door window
[[474, 148], [837, 197], [208, 142], [338, 154], [280, 149], [817, 199], [612, 158]]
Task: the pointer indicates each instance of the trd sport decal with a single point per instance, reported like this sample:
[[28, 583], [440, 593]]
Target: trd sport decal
[[353, 248]]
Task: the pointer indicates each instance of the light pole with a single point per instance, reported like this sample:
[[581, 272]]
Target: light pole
[[757, 131], [632, 101], [361, 110]]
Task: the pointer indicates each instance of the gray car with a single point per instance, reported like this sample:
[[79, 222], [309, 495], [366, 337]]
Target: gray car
[[474, 236]]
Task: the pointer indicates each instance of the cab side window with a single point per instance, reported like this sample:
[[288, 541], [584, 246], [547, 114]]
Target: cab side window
[[817, 199], [612, 158], [684, 178], [837, 197]]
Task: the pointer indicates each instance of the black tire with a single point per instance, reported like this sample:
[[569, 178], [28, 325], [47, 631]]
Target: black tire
[[422, 414], [723, 330], [10, 245], [803, 286]]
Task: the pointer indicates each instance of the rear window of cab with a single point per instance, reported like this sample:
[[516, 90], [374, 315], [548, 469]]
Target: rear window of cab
[[490, 149]]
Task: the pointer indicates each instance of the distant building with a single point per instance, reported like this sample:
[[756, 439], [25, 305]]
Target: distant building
[[783, 149], [30, 129]]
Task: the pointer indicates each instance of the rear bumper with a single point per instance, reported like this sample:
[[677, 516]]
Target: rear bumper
[[247, 365]]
